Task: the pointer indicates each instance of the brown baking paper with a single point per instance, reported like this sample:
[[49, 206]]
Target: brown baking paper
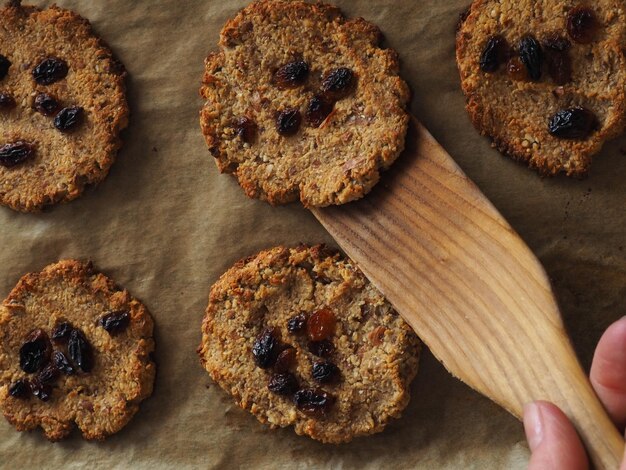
[[165, 225]]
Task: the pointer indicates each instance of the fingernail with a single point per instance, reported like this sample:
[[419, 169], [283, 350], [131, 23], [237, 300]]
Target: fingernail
[[533, 425]]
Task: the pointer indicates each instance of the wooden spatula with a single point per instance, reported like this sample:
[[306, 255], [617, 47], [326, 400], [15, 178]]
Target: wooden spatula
[[470, 287]]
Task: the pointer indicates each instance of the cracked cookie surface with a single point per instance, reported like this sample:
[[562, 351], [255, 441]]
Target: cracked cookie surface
[[578, 76], [73, 131], [321, 131], [351, 352], [102, 392]]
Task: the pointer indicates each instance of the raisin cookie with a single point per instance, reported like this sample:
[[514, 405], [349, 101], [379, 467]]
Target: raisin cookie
[[546, 79], [62, 106], [302, 103], [300, 337], [74, 348]]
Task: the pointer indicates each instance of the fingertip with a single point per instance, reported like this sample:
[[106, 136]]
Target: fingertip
[[553, 441]]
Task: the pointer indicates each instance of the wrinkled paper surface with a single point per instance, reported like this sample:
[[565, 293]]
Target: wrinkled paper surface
[[165, 225]]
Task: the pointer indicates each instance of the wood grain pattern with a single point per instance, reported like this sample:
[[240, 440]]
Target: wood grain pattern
[[470, 287]]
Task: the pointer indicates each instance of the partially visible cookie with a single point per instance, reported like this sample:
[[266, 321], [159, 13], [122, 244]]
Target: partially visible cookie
[[545, 79], [75, 349], [303, 104], [62, 106], [299, 337]]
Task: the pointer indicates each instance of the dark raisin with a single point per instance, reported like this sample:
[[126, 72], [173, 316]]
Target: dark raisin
[[6, 101], [296, 323], [531, 56], [115, 322], [291, 75], [558, 59], [46, 104], [49, 374], [582, 24], [4, 66], [313, 401], [283, 384], [246, 129], [338, 83], [265, 349], [318, 110], [322, 348], [321, 325], [62, 363], [61, 332], [573, 123], [285, 360], [496, 52], [19, 389], [68, 118], [50, 70], [288, 121], [79, 350], [325, 372], [41, 390], [15, 153], [35, 352]]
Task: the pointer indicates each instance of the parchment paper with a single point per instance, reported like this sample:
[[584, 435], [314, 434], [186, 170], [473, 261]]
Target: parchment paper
[[165, 225]]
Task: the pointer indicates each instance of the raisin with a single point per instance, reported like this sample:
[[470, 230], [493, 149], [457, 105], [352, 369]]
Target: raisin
[[35, 352], [318, 110], [46, 104], [573, 123], [68, 118], [322, 348], [288, 121], [517, 70], [285, 359], [325, 372], [6, 101], [338, 83], [283, 384], [296, 323], [321, 325], [246, 129], [15, 153], [582, 24], [61, 332], [115, 322], [496, 52], [291, 75], [558, 59], [265, 349], [79, 350], [4, 66], [531, 56], [62, 363], [50, 70], [41, 390], [313, 401], [19, 389], [49, 374]]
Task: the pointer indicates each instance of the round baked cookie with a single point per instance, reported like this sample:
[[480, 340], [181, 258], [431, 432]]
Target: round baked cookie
[[62, 106], [300, 337], [545, 79], [302, 103], [74, 348]]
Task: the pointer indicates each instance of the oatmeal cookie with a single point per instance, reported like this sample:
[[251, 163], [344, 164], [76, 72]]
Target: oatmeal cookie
[[62, 106], [546, 80], [74, 348], [300, 337], [303, 104]]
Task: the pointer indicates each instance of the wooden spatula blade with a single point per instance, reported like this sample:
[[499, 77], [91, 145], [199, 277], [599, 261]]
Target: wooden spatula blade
[[470, 287]]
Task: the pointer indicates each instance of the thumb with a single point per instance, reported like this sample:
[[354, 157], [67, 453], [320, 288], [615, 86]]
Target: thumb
[[553, 441]]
